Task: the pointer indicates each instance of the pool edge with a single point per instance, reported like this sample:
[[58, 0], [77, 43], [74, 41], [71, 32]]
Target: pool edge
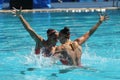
[[65, 9]]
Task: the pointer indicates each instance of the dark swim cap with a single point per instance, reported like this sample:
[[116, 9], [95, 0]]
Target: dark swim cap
[[65, 31], [51, 31]]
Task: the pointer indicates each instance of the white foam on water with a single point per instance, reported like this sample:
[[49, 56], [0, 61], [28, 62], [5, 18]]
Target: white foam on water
[[97, 61], [39, 61]]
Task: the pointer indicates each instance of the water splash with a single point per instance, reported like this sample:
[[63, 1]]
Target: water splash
[[39, 61], [92, 59]]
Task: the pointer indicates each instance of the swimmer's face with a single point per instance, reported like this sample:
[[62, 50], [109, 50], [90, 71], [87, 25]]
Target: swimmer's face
[[62, 37], [54, 36]]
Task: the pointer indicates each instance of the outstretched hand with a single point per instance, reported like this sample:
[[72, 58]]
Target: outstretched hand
[[103, 17], [17, 12]]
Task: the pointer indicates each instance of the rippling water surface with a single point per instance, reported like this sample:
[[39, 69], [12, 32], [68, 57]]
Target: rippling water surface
[[101, 53]]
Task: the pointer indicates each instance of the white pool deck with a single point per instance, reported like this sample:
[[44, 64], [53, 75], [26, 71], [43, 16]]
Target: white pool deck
[[74, 7]]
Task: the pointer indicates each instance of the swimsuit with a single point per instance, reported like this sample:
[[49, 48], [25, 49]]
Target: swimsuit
[[44, 51], [65, 62], [37, 51]]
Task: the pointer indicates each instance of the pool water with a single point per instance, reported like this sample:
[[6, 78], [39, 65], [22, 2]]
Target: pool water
[[101, 53]]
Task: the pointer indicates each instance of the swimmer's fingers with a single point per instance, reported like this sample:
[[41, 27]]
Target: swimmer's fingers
[[21, 9], [102, 14], [14, 8], [16, 12], [104, 17]]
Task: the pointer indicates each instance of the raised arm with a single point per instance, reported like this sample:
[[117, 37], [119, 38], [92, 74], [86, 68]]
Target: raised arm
[[26, 25], [82, 39]]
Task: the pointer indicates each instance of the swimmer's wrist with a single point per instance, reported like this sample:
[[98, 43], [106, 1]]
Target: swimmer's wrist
[[100, 21]]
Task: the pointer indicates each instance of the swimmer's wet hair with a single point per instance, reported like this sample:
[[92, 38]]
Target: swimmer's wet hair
[[51, 31], [66, 31]]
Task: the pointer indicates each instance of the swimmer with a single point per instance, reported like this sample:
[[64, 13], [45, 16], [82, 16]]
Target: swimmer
[[71, 51], [49, 44]]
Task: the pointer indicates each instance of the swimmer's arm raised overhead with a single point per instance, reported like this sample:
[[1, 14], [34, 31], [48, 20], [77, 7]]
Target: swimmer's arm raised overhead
[[32, 33], [82, 39]]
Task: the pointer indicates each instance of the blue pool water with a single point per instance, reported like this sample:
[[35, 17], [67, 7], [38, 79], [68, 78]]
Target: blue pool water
[[101, 53]]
